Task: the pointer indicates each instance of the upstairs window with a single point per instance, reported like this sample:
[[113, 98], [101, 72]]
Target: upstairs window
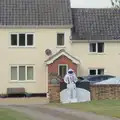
[[97, 47], [30, 39], [14, 39], [92, 47], [60, 39], [96, 72], [22, 40], [100, 47]]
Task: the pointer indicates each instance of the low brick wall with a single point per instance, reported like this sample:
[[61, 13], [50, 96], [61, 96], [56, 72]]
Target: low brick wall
[[98, 92], [54, 93], [102, 92]]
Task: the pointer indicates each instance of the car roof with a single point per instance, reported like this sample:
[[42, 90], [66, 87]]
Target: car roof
[[90, 76]]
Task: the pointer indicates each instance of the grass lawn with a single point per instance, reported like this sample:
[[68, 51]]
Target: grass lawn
[[7, 114], [105, 107]]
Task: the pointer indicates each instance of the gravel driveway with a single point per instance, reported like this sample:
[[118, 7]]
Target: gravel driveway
[[44, 112]]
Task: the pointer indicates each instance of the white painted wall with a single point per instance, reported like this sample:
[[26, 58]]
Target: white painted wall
[[44, 39], [109, 60], [47, 39]]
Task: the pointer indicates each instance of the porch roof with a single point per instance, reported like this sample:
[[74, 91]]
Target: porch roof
[[60, 53]]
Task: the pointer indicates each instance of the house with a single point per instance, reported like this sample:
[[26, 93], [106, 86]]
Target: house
[[42, 39]]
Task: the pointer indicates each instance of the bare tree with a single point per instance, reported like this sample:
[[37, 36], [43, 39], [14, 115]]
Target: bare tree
[[115, 3]]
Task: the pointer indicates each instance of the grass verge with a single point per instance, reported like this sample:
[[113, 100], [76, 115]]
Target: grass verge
[[102, 107], [7, 114]]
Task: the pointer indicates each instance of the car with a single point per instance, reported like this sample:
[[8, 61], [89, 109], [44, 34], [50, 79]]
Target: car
[[95, 78], [109, 81]]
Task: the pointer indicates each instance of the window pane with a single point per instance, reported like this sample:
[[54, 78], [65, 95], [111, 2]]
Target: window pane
[[92, 72], [100, 71], [21, 39], [62, 70], [13, 39], [21, 72], [92, 47], [100, 47], [13, 73], [60, 39], [30, 39], [29, 73]]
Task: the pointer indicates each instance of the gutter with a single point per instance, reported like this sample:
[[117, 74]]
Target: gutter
[[90, 41], [36, 26]]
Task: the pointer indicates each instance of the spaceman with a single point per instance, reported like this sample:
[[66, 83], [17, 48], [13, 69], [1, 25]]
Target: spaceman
[[71, 79]]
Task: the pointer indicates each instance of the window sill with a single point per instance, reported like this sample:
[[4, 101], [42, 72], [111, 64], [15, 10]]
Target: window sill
[[18, 47], [96, 54], [29, 81], [60, 47]]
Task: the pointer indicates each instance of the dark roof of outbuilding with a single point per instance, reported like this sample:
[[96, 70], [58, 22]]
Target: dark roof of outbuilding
[[35, 13], [96, 24]]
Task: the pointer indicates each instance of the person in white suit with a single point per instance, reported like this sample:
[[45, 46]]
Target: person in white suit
[[71, 79]]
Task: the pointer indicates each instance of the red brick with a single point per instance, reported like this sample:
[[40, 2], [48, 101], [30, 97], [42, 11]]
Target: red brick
[[53, 68]]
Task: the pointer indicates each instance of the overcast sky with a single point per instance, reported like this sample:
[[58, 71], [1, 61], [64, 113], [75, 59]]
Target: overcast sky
[[91, 3]]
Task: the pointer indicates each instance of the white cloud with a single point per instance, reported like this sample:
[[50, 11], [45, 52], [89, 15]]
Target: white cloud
[[91, 3]]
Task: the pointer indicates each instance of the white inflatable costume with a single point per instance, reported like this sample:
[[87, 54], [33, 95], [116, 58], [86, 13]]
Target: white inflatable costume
[[70, 78]]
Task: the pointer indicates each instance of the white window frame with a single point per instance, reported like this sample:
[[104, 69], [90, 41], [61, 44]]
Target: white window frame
[[96, 47], [29, 46], [59, 46], [25, 72], [96, 70], [33, 39], [62, 65]]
